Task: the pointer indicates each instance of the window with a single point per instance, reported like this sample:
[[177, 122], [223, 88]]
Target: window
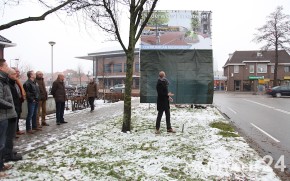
[[117, 68], [236, 69], [261, 68], [108, 68], [137, 67], [287, 68], [272, 68], [251, 68], [125, 67]]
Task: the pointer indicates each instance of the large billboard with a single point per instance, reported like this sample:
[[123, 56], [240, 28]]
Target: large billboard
[[179, 43]]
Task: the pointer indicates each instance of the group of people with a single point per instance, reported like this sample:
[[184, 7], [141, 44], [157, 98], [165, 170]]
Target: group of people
[[12, 95]]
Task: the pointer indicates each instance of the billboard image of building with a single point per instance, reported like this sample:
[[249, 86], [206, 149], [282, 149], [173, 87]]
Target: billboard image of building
[[177, 30], [179, 43]]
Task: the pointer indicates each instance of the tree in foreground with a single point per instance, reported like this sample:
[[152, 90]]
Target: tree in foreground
[[105, 14], [276, 35]]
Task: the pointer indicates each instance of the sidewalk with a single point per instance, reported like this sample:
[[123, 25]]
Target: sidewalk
[[92, 147], [77, 121]]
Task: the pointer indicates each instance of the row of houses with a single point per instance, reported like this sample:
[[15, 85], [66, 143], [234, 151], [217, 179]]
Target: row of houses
[[243, 70], [247, 70]]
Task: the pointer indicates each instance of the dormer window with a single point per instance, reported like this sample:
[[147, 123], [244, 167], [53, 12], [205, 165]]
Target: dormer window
[[259, 54]]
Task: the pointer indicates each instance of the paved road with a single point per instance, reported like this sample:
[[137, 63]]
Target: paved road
[[265, 121]]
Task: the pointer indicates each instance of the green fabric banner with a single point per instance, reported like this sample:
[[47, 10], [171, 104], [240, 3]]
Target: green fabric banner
[[190, 73]]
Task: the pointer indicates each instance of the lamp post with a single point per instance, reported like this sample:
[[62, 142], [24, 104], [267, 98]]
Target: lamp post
[[51, 43], [88, 75]]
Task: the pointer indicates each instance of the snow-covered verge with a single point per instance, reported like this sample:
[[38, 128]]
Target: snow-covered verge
[[103, 152]]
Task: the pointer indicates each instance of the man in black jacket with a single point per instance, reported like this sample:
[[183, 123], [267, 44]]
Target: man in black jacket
[[11, 129], [163, 99], [32, 97]]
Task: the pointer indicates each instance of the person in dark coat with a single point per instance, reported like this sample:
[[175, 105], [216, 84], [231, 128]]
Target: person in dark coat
[[42, 100], [59, 95], [11, 129], [32, 97], [92, 93], [7, 111], [22, 97], [163, 99]]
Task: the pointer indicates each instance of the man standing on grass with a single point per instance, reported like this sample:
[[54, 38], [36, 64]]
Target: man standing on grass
[[11, 155], [32, 97], [59, 95], [7, 111], [163, 99], [22, 97], [92, 93], [42, 100]]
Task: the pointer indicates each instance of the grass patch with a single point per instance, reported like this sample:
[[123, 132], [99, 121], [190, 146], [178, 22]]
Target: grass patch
[[226, 129], [228, 134], [222, 126]]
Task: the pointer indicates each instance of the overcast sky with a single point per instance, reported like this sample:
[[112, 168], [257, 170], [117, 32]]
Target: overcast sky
[[234, 23]]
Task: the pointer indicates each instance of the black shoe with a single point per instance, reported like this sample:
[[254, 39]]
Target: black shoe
[[62, 122], [58, 123], [14, 157], [45, 124]]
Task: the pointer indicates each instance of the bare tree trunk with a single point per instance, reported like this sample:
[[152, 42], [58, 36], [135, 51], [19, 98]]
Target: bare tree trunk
[[128, 89], [275, 83]]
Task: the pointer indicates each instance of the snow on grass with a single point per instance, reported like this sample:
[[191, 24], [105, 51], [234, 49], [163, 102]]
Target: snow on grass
[[103, 152]]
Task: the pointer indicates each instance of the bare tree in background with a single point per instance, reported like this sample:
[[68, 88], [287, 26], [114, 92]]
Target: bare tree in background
[[276, 34], [24, 68], [80, 73], [105, 13], [51, 9]]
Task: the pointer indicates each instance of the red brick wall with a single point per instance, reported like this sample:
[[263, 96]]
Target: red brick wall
[[1, 51]]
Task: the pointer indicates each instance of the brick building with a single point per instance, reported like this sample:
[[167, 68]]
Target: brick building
[[109, 67], [246, 70]]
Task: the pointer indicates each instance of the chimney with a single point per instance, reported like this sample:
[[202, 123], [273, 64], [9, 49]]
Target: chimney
[[259, 54]]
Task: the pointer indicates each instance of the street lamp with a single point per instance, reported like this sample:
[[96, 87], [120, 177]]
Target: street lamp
[[51, 43]]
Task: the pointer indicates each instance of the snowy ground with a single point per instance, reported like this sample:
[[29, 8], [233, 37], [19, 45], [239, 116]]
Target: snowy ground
[[103, 152]]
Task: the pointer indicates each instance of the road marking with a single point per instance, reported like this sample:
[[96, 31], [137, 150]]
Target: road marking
[[270, 107], [265, 133], [280, 110], [259, 104], [232, 110]]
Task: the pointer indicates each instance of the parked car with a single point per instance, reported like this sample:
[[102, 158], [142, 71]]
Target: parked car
[[279, 91], [118, 88]]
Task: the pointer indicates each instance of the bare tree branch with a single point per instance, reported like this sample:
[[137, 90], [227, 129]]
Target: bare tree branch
[[115, 24], [37, 18]]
